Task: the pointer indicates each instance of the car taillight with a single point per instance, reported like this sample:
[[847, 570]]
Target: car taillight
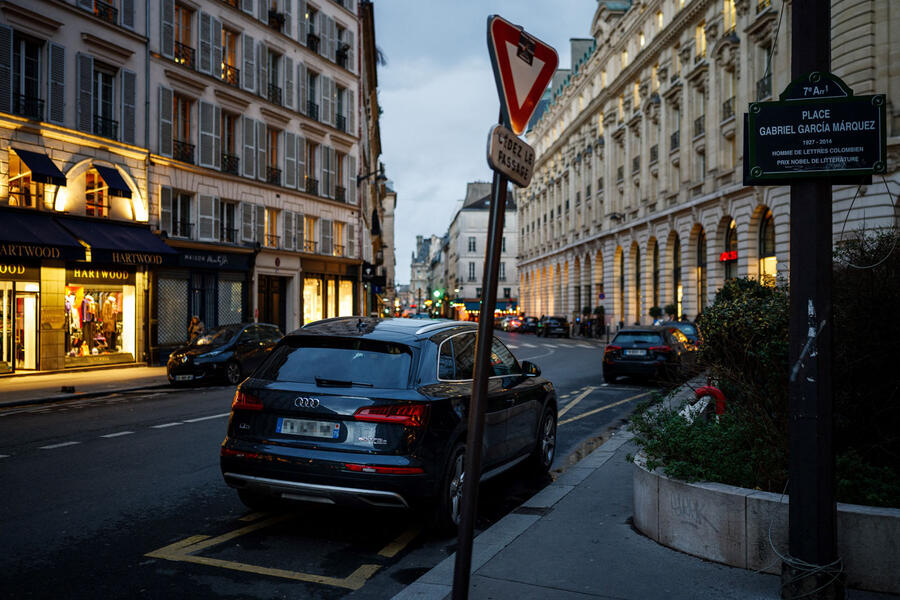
[[244, 401], [659, 349], [238, 453], [613, 349], [408, 415], [384, 470]]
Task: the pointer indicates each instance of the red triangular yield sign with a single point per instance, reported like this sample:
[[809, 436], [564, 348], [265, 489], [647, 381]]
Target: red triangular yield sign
[[523, 66]]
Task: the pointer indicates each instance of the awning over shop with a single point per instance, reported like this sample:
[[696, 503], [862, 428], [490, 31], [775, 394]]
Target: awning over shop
[[505, 305], [121, 243], [473, 305], [29, 234], [114, 181], [42, 168]]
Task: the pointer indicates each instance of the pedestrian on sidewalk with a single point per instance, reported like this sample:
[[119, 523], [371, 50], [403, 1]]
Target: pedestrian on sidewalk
[[196, 328]]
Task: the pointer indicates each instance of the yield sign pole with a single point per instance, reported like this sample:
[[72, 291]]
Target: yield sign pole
[[523, 66]]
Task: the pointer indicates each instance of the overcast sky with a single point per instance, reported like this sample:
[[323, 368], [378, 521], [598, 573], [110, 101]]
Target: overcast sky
[[439, 99]]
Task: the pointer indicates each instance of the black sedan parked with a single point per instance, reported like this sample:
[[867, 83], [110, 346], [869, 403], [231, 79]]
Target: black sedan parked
[[648, 352], [227, 352], [553, 326], [373, 412]]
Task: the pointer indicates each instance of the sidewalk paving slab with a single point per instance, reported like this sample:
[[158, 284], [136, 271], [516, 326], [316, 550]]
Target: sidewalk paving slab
[[19, 390]]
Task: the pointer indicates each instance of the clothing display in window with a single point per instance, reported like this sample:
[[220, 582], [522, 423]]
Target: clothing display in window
[[94, 321]]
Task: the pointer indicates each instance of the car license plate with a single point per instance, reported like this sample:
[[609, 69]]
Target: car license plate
[[320, 429], [633, 352], [184, 377]]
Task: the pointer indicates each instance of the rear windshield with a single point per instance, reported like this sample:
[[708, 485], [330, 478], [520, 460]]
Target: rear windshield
[[637, 337], [362, 362], [216, 337], [687, 328]]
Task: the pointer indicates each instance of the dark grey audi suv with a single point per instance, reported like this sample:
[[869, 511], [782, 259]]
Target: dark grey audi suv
[[373, 412]]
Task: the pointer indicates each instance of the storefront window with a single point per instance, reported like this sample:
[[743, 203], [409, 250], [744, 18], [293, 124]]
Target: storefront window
[[23, 192], [332, 298], [313, 302], [231, 295], [729, 257], [100, 317], [96, 201], [346, 299], [6, 326], [767, 262], [676, 276], [701, 271]]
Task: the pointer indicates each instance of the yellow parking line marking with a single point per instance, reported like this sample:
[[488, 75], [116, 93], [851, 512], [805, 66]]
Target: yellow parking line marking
[[602, 408], [173, 551], [250, 517], [392, 549], [577, 399], [225, 537]]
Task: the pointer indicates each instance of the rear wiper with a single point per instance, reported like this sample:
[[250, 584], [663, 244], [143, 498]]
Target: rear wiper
[[340, 383]]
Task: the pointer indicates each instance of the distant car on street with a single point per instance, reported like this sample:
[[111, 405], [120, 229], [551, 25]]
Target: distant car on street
[[687, 328], [529, 325], [652, 352], [227, 352], [373, 412], [558, 326], [511, 323]]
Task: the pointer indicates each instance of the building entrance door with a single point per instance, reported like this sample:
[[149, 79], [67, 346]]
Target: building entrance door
[[271, 297], [26, 330], [6, 327]]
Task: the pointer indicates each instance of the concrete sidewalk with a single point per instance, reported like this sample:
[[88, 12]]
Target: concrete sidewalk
[[18, 390], [574, 540]]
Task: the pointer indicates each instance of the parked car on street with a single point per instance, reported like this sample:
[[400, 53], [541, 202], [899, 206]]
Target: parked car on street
[[553, 326], [511, 323], [373, 412], [227, 352], [654, 352], [687, 328], [529, 325]]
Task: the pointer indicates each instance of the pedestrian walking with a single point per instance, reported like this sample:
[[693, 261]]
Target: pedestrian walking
[[195, 328]]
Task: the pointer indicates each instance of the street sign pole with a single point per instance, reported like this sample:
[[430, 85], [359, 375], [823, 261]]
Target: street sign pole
[[812, 510]]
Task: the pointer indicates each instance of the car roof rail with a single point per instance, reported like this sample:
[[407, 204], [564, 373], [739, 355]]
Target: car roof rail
[[439, 325]]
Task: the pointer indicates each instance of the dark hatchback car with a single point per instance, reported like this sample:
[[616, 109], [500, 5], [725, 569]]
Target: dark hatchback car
[[373, 412], [227, 352], [689, 330], [553, 326], [648, 352], [529, 325]]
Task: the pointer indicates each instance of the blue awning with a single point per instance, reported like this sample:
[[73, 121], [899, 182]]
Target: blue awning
[[29, 234], [120, 243], [42, 168], [114, 181], [473, 305]]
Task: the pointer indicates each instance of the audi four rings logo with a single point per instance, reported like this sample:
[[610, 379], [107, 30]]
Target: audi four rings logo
[[304, 402]]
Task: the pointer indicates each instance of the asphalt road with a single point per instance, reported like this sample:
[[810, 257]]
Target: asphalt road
[[121, 497]]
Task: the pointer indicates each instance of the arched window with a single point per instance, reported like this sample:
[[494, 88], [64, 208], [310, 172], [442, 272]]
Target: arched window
[[637, 284], [730, 255], [701, 270], [655, 274], [620, 301], [767, 262], [677, 289]]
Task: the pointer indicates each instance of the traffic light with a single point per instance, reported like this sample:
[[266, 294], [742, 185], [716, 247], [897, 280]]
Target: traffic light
[[438, 294]]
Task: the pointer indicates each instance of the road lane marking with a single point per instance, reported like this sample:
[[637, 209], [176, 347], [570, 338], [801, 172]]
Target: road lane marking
[[164, 425], [602, 408], [254, 516], [584, 345], [577, 399], [117, 434], [394, 548], [54, 446], [197, 420], [529, 346], [185, 550], [4, 455]]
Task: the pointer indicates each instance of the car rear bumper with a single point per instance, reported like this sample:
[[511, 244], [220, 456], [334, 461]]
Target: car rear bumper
[[634, 368], [196, 372]]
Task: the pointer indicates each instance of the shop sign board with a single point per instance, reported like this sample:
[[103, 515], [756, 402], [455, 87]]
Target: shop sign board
[[510, 155], [214, 260], [100, 275], [19, 272], [817, 129]]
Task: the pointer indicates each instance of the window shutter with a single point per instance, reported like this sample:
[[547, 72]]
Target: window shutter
[[247, 6], [6, 58], [301, 88], [351, 182], [261, 150], [288, 218], [249, 158], [165, 209], [248, 47], [261, 60], [85, 93], [165, 121], [288, 82], [290, 160], [332, 35], [325, 102], [205, 43], [216, 42], [247, 213], [351, 51], [301, 21], [263, 10], [325, 236], [259, 224], [128, 14], [217, 138], [287, 17], [325, 179], [207, 134], [318, 164], [351, 112], [300, 223], [56, 98], [129, 99], [207, 220], [301, 163], [167, 28], [351, 240], [332, 166]]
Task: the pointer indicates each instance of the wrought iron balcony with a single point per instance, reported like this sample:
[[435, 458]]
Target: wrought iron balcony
[[764, 87], [312, 110], [312, 186], [231, 75], [228, 234], [182, 229], [728, 109], [29, 106], [273, 175], [185, 55], [654, 153], [341, 122], [272, 240], [276, 20], [310, 246], [183, 151], [312, 41], [231, 164], [274, 94], [675, 140], [700, 125], [106, 11], [338, 250], [340, 194], [108, 128]]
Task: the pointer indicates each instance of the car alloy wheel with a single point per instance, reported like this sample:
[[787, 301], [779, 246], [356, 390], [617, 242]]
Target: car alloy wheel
[[233, 372], [450, 504], [546, 447]]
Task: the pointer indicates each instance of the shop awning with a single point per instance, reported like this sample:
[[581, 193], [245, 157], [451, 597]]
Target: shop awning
[[473, 305], [505, 305], [29, 234], [42, 168], [114, 181], [121, 243]]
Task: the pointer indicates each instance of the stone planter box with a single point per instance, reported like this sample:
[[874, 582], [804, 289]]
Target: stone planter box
[[733, 526]]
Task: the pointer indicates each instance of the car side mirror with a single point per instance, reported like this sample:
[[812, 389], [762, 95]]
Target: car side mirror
[[530, 369]]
